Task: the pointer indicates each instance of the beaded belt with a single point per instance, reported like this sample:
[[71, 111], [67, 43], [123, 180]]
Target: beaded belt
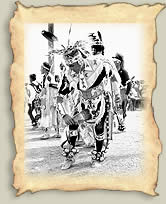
[[92, 93]]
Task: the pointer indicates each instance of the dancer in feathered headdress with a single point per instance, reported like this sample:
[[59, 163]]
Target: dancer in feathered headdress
[[86, 101]]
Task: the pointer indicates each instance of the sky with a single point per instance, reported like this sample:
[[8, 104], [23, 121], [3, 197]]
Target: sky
[[126, 39]]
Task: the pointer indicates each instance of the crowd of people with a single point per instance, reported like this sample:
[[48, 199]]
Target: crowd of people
[[84, 99]]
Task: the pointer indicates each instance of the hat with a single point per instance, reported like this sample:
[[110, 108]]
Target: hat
[[32, 77], [46, 66], [96, 38], [77, 52], [119, 57]]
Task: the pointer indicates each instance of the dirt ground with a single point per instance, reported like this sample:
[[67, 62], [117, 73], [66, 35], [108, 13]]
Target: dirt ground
[[124, 157]]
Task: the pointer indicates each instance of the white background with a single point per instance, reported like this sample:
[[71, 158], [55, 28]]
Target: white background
[[126, 39]]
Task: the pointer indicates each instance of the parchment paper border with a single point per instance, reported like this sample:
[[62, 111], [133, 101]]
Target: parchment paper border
[[115, 13]]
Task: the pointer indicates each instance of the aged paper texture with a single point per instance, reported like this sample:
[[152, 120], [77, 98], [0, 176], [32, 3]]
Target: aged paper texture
[[145, 15]]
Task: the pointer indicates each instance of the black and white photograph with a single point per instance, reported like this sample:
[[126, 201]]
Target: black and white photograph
[[84, 99]]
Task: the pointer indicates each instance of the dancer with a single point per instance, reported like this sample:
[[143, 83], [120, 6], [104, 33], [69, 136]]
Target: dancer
[[92, 100], [48, 119], [125, 86], [33, 89]]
